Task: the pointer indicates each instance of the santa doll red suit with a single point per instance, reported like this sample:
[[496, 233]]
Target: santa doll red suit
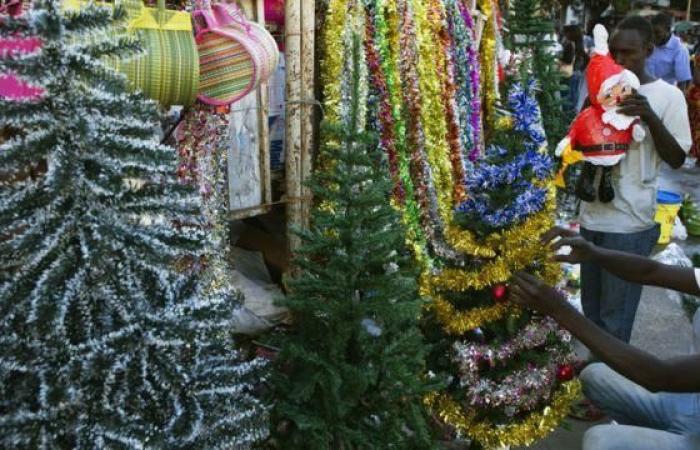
[[600, 133]]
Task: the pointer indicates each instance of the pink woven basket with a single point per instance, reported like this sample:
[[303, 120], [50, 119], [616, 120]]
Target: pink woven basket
[[230, 14], [235, 55], [229, 62]]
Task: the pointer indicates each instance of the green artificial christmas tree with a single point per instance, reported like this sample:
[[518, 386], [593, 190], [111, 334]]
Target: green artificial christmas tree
[[108, 339], [352, 372], [531, 31]]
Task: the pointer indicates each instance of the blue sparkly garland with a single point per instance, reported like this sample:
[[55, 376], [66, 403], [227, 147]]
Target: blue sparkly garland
[[530, 163]]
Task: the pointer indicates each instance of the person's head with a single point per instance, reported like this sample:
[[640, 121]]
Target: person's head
[[661, 25], [632, 43], [573, 33]]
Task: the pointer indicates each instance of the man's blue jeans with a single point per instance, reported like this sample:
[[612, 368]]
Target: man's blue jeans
[[647, 421], [606, 299]]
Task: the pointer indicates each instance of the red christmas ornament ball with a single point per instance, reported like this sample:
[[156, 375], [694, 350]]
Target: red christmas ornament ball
[[565, 372], [499, 293]]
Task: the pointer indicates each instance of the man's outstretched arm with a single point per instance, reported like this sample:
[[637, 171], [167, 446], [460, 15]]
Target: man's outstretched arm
[[629, 267], [674, 375]]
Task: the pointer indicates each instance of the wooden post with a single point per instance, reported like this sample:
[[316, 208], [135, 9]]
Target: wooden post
[[263, 113], [293, 132], [308, 22]]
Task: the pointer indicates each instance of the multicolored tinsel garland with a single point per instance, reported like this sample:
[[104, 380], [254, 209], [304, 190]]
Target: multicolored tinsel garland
[[491, 435], [446, 74], [519, 391], [460, 26], [474, 64], [384, 37], [202, 146], [471, 356]]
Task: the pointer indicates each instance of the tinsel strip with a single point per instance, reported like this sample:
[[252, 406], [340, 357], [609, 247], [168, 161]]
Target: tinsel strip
[[420, 170], [498, 271], [333, 58], [489, 63], [432, 113], [459, 322], [470, 355], [385, 114], [446, 74], [387, 42], [497, 242], [535, 426], [475, 79]]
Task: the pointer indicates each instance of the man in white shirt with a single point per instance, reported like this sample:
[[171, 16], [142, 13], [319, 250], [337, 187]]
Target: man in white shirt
[[627, 222], [655, 402]]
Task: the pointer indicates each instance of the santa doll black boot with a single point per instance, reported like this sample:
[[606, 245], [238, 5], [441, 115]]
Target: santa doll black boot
[[585, 187], [606, 193]]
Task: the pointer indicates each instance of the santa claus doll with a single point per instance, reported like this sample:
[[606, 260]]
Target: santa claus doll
[[600, 135]]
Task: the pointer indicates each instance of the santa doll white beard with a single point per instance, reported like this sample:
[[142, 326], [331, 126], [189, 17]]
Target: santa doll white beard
[[621, 122]]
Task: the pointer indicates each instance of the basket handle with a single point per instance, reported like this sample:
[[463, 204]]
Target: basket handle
[[204, 21], [231, 12]]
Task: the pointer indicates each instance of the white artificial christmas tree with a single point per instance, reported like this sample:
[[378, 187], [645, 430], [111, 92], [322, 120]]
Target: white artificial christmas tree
[[108, 340]]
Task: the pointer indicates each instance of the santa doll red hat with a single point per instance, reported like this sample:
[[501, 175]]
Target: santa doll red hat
[[600, 133]]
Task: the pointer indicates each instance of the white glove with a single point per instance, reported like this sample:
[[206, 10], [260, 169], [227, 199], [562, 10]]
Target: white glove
[[638, 133], [561, 146]]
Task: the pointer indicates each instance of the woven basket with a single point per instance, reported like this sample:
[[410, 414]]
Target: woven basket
[[233, 59], [230, 15], [169, 69]]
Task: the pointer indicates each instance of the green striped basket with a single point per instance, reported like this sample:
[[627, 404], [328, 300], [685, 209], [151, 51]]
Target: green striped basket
[[168, 71]]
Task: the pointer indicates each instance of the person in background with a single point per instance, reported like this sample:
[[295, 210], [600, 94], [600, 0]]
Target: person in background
[[627, 223], [574, 60], [670, 59], [692, 96], [655, 402]]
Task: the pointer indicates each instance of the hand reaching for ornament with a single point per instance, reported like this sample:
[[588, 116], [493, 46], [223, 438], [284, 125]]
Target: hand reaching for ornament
[[531, 292], [580, 250]]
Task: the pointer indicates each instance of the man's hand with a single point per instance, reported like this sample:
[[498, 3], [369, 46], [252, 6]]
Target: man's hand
[[531, 292], [581, 249], [637, 105]]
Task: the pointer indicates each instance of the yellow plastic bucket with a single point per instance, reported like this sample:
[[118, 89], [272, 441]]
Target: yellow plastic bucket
[[668, 205]]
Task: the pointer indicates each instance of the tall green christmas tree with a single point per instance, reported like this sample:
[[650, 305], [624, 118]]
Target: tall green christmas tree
[[531, 34], [108, 339], [352, 372]]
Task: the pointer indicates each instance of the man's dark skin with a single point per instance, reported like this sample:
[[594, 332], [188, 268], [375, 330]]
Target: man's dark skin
[[681, 374], [629, 50]]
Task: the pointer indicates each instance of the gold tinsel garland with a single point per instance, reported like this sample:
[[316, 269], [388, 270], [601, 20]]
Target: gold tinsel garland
[[333, 61], [489, 64], [459, 322], [535, 426], [495, 243], [498, 271]]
